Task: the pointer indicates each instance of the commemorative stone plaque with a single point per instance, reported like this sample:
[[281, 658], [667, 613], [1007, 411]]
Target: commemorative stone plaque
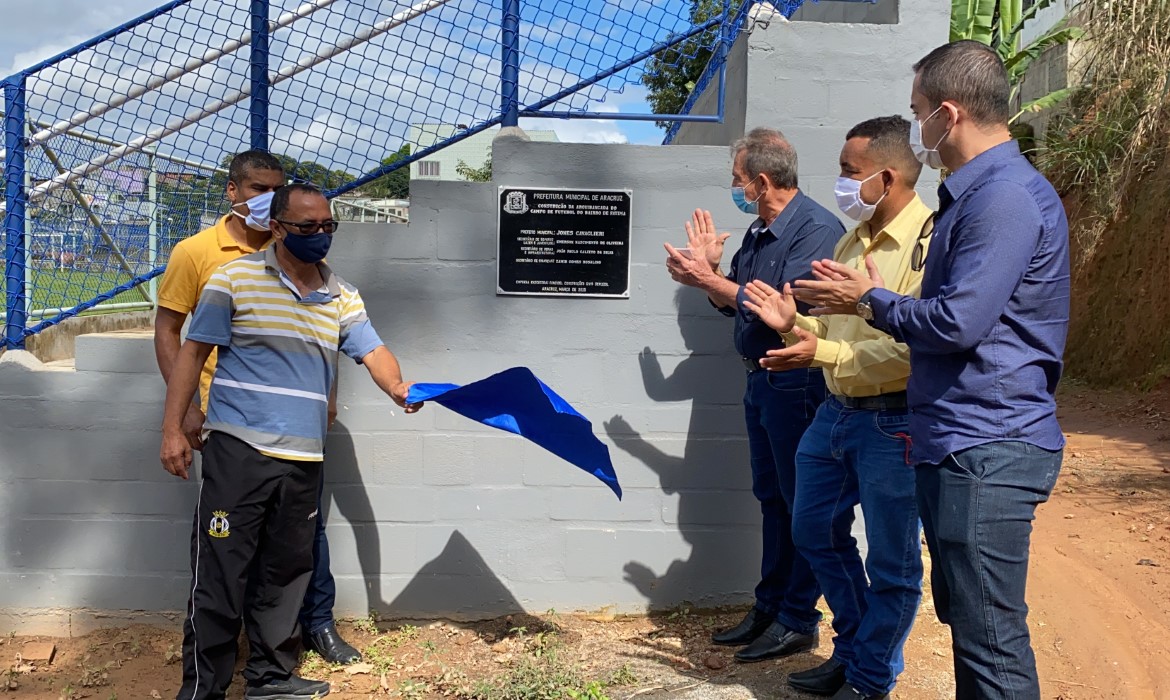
[[559, 242]]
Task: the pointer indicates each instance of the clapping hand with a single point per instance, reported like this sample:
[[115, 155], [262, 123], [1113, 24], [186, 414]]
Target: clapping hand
[[705, 243], [775, 308], [837, 287], [799, 354]]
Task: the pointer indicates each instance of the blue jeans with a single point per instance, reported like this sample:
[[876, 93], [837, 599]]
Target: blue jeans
[[778, 407], [850, 457], [977, 509], [317, 610]]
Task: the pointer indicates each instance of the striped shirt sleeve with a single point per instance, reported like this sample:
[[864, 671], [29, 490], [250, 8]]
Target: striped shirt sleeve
[[358, 337], [212, 321]]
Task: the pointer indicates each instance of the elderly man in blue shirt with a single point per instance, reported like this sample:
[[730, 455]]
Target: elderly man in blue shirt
[[986, 341], [789, 232]]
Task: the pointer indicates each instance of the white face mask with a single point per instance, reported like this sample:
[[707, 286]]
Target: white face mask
[[929, 157], [258, 207], [849, 201]]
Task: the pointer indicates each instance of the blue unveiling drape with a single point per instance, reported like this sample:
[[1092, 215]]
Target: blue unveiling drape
[[516, 401]]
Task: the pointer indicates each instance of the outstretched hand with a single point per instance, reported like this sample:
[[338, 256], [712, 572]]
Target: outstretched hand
[[775, 308], [399, 393], [837, 287]]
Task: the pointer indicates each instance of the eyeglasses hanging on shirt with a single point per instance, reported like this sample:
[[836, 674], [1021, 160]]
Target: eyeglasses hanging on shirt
[[918, 257]]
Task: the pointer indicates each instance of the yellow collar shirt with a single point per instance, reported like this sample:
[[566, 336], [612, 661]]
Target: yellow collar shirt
[[191, 264], [859, 360]]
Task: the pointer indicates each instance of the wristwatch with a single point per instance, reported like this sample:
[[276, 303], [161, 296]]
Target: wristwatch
[[864, 308]]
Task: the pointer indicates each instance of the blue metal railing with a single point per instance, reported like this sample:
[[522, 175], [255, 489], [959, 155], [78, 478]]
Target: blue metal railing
[[258, 59]]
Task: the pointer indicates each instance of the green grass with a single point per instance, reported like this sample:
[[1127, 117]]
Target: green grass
[[51, 288]]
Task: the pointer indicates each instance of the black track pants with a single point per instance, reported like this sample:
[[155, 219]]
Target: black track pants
[[251, 559]]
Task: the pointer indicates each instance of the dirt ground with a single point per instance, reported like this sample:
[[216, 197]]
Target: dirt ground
[[1099, 593]]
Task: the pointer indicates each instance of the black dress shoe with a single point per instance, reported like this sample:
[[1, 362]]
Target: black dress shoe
[[292, 688], [329, 644], [777, 641], [848, 692], [825, 679], [746, 632]]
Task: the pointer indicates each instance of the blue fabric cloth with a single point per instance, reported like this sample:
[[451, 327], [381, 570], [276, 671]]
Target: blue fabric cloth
[[987, 337], [516, 401], [780, 252]]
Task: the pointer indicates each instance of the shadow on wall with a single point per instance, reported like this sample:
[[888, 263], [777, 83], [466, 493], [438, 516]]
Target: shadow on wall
[[716, 513], [457, 583], [341, 467]]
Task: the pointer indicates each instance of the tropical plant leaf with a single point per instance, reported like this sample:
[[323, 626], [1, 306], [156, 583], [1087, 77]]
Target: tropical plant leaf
[[1008, 13], [1042, 103], [1019, 62], [972, 19], [1028, 15]]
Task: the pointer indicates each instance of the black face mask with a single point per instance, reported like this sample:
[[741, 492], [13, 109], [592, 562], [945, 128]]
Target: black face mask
[[310, 249]]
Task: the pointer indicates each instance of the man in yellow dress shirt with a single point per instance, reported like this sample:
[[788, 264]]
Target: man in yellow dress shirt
[[856, 452]]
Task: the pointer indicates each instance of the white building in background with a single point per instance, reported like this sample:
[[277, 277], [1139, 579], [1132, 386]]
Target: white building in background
[[371, 210], [473, 150]]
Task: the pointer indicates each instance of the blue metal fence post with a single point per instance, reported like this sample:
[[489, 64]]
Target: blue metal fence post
[[258, 104], [510, 59], [724, 47], [15, 260]]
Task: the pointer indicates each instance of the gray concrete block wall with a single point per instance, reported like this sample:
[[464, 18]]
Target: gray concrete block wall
[[848, 11], [432, 514]]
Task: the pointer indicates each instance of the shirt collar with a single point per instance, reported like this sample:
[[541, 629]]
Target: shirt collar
[[223, 237], [962, 179], [903, 229], [782, 219], [331, 284]]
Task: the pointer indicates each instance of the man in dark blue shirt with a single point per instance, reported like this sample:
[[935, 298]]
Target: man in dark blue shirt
[[790, 231], [986, 342]]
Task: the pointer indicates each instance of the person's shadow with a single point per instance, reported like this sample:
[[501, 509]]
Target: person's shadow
[[711, 477], [342, 470], [717, 514]]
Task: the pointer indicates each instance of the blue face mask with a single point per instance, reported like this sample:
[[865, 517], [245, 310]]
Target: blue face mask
[[310, 249], [740, 198]]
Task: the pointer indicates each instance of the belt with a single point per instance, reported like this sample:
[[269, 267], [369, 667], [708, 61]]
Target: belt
[[881, 402], [751, 365]]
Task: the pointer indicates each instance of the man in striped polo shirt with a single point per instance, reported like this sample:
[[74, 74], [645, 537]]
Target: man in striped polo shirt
[[278, 318]]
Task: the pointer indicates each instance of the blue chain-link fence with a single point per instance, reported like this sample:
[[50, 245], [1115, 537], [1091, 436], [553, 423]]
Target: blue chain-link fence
[[116, 149]]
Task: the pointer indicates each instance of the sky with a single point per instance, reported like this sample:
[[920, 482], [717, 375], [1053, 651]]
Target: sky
[[32, 31]]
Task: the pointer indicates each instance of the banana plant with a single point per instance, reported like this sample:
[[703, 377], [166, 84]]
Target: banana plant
[[998, 24]]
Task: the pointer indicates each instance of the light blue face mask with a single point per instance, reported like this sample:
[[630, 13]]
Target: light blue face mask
[[258, 207], [740, 198]]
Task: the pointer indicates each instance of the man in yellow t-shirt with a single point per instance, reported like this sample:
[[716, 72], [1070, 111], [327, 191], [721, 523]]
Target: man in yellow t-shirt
[[253, 176], [856, 451]]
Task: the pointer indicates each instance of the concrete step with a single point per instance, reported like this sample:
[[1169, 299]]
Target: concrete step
[[127, 352]]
